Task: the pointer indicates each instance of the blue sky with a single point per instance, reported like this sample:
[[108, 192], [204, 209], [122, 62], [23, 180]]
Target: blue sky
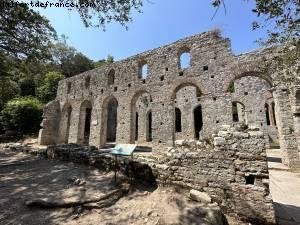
[[162, 22]]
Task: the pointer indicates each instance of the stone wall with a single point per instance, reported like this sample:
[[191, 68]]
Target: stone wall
[[234, 172], [203, 85], [231, 168]]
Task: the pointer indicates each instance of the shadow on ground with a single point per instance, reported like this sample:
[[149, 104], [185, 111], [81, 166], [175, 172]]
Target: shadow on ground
[[24, 177]]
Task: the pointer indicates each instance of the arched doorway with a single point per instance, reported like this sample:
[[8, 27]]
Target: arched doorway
[[187, 112], [198, 121], [141, 118], [84, 122], [111, 124], [149, 127]]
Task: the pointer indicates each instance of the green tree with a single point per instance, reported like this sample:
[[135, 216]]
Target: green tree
[[101, 62], [77, 64], [27, 86], [24, 33], [47, 91], [281, 18], [67, 60], [23, 114], [8, 90], [99, 13]]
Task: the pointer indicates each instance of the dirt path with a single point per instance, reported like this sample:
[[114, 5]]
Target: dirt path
[[285, 190], [23, 177]]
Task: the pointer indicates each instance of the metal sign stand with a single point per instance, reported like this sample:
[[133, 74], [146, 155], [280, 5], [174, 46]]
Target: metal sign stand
[[123, 150]]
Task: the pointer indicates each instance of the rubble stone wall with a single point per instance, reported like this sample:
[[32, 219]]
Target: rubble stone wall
[[231, 168], [211, 69]]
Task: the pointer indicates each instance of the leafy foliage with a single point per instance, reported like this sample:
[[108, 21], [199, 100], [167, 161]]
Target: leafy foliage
[[105, 11], [101, 62], [22, 114], [68, 61], [280, 17], [24, 33], [47, 91], [8, 90]]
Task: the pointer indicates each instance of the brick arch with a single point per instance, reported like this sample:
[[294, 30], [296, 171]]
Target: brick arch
[[184, 83], [175, 88], [238, 74]]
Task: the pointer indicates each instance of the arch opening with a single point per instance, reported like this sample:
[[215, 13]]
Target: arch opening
[[84, 122], [111, 122], [267, 114], [177, 120], [111, 77], [242, 81], [141, 118], [185, 60], [198, 121], [187, 112], [136, 126], [149, 127]]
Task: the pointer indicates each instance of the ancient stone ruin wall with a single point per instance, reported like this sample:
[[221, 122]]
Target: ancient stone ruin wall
[[135, 100], [233, 170]]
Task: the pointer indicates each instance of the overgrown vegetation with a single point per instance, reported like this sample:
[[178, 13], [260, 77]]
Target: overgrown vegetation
[[22, 114], [32, 62], [33, 59]]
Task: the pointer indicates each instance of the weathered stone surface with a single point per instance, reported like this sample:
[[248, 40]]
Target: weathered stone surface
[[200, 196]]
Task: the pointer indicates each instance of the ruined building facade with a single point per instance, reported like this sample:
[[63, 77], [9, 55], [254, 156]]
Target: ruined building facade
[[185, 90]]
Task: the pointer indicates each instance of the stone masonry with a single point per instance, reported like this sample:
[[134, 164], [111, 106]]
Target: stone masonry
[[176, 106], [231, 168], [153, 100]]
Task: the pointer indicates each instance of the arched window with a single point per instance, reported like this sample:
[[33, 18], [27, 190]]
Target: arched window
[[143, 70], [184, 58], [111, 78], [177, 120]]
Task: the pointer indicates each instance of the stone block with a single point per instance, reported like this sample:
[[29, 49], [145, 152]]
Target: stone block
[[200, 196]]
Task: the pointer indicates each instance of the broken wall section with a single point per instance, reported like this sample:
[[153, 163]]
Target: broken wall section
[[233, 172]]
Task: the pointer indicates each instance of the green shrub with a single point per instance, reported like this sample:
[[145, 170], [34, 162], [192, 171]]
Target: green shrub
[[23, 114]]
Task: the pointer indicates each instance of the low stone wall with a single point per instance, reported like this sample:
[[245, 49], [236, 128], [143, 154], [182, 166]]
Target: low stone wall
[[232, 170]]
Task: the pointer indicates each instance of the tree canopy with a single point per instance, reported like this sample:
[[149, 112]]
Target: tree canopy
[[99, 13], [24, 33], [281, 18]]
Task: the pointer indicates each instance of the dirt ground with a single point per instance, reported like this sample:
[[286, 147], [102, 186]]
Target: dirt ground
[[24, 177]]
